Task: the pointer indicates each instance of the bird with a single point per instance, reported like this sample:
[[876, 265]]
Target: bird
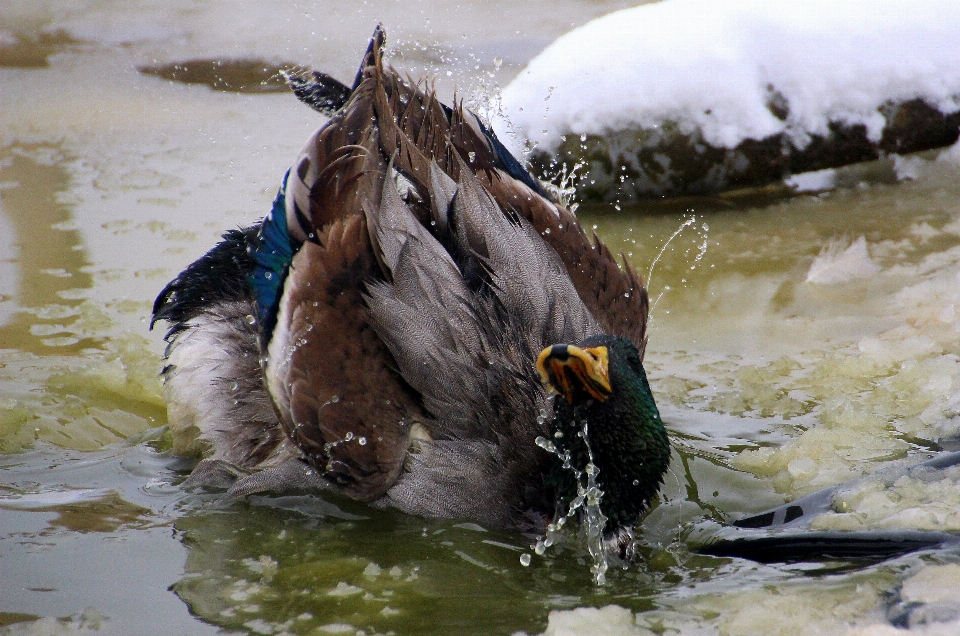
[[418, 324]]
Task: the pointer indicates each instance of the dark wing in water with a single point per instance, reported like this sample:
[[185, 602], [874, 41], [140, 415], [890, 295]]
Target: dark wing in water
[[781, 534], [861, 545]]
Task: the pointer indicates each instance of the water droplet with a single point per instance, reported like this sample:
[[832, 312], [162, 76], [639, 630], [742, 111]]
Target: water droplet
[[545, 444], [600, 574], [268, 275], [524, 559], [362, 441], [250, 319], [636, 482], [348, 436], [335, 399]]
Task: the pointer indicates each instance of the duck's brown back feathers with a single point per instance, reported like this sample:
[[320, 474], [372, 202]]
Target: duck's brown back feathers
[[420, 299]]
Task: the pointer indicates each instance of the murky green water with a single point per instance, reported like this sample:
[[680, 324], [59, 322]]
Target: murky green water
[[772, 386]]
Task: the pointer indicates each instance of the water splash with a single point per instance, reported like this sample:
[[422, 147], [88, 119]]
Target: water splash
[[703, 230], [687, 223], [474, 77], [587, 503], [561, 180], [702, 248]]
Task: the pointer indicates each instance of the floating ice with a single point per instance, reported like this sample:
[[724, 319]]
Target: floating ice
[[839, 263], [922, 500], [611, 620]]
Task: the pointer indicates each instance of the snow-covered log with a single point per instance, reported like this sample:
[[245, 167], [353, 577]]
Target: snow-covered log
[[699, 96]]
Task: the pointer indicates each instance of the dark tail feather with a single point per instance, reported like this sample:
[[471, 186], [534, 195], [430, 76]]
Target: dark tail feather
[[374, 54], [326, 94], [319, 91], [219, 275]]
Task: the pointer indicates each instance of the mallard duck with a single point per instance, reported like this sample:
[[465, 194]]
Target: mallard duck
[[417, 324]]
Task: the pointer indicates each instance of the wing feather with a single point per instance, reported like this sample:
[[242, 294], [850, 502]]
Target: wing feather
[[333, 380]]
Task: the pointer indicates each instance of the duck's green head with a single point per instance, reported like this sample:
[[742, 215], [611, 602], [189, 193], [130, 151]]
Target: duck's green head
[[602, 388]]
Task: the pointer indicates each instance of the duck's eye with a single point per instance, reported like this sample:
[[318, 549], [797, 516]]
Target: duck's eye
[[634, 361]]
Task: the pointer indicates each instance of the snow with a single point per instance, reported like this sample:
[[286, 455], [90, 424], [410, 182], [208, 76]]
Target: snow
[[715, 65], [815, 181]]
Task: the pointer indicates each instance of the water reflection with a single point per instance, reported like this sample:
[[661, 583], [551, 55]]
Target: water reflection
[[242, 76], [65, 378], [284, 565], [304, 565], [51, 264], [33, 50], [108, 513], [87, 542]]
